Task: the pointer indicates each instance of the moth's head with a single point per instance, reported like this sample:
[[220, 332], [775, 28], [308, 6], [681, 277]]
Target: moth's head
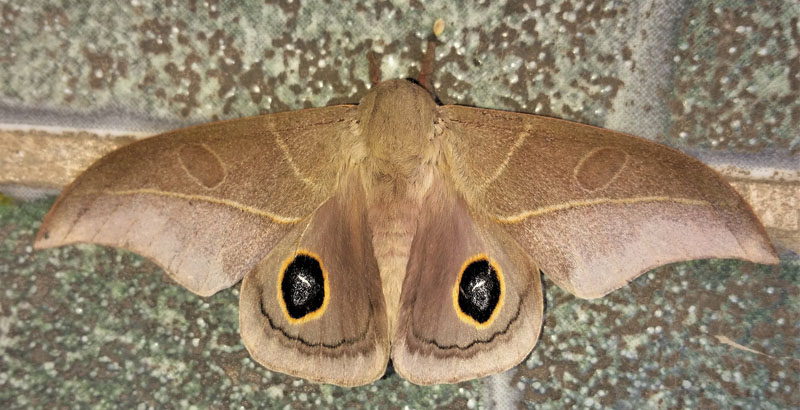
[[397, 118]]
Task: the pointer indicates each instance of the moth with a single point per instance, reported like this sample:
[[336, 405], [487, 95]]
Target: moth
[[399, 228]]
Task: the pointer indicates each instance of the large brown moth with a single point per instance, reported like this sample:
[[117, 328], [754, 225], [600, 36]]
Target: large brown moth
[[399, 228]]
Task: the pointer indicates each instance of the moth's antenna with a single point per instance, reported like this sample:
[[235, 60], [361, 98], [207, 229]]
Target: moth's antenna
[[374, 67], [426, 68]]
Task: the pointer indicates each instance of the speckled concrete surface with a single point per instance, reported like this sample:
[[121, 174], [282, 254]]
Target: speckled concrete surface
[[87, 326], [731, 67]]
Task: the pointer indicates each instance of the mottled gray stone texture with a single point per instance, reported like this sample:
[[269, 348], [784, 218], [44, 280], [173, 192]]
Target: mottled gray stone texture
[[86, 326], [702, 74]]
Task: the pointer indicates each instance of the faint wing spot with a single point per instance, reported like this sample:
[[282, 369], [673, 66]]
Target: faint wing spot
[[599, 168], [202, 165]]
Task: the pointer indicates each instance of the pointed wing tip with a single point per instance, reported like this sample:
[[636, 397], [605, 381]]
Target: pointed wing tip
[[43, 239], [755, 245], [770, 258], [199, 288], [585, 289], [40, 243], [765, 254]]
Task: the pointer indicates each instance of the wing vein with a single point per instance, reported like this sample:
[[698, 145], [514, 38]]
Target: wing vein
[[592, 202], [233, 204], [502, 167], [290, 161]]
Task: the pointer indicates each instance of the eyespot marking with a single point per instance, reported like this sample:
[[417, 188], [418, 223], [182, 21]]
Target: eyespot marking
[[303, 289], [479, 291], [599, 168], [202, 164]]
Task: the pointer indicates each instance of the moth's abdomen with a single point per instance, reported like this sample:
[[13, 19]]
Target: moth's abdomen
[[393, 226]]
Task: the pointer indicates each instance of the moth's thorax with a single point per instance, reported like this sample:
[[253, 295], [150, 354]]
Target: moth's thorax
[[397, 120]]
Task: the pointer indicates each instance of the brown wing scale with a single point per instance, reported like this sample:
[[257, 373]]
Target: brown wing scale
[[438, 340], [206, 202], [593, 207], [342, 339]]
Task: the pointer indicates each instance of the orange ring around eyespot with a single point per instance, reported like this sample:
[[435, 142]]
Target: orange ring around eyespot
[[467, 318], [325, 288]]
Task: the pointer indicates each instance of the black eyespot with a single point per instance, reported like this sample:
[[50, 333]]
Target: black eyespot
[[479, 290], [303, 286]]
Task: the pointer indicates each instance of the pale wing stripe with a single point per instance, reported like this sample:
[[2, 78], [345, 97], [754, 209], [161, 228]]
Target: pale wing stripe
[[500, 169], [288, 157], [591, 202], [233, 204]]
